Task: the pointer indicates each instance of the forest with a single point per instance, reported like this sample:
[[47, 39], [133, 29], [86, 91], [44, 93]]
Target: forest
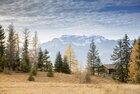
[[26, 56]]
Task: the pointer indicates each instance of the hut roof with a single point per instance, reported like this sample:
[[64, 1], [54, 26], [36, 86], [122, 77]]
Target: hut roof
[[109, 66]]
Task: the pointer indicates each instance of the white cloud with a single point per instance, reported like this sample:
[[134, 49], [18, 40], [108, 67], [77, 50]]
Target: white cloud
[[53, 18]]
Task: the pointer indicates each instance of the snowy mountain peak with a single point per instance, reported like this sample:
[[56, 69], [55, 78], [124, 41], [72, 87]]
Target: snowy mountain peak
[[71, 37], [80, 44], [79, 40]]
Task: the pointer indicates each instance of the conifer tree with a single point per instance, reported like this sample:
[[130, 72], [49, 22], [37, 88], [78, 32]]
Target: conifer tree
[[121, 57], [11, 53], [25, 67], [91, 58], [73, 63], [65, 66], [58, 63], [46, 60], [126, 49], [134, 67], [2, 48], [117, 59], [40, 59], [17, 57]]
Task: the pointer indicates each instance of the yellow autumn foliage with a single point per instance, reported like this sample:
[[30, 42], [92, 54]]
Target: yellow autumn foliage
[[73, 63], [134, 67]]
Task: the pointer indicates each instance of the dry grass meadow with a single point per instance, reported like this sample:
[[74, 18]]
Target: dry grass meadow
[[62, 84]]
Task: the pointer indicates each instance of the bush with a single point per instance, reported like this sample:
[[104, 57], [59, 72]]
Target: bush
[[50, 74], [31, 78], [50, 71], [85, 77]]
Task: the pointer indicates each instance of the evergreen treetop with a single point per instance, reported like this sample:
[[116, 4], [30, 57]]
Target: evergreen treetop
[[58, 62], [26, 66], [92, 57], [65, 66], [2, 50], [40, 59]]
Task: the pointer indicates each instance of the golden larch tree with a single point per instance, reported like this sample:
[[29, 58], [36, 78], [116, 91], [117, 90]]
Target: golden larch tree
[[73, 63], [134, 67]]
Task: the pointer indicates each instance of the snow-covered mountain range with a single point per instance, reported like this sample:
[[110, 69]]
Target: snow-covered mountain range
[[80, 46]]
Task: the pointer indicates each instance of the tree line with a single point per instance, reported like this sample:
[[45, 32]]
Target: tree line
[[125, 57], [30, 58], [12, 57], [27, 56]]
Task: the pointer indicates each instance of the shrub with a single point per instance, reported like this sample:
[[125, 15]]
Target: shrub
[[50, 74], [31, 78], [85, 77], [50, 71]]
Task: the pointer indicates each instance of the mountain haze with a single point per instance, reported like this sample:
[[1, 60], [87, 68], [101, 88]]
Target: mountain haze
[[80, 46]]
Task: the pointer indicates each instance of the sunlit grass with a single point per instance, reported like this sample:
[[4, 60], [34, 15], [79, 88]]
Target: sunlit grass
[[62, 84]]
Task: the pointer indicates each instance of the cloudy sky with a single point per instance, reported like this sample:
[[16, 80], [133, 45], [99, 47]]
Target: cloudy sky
[[53, 18]]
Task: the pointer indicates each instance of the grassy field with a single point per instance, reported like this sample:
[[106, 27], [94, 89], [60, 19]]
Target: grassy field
[[62, 84]]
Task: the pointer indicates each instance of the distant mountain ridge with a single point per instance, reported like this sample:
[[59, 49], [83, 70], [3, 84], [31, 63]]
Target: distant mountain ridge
[[80, 45]]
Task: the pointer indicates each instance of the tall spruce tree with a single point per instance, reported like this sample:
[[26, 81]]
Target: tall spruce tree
[[65, 66], [117, 59], [134, 66], [58, 63], [126, 50], [40, 59], [46, 60], [25, 67], [91, 58], [11, 53], [17, 56], [121, 57], [2, 48]]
